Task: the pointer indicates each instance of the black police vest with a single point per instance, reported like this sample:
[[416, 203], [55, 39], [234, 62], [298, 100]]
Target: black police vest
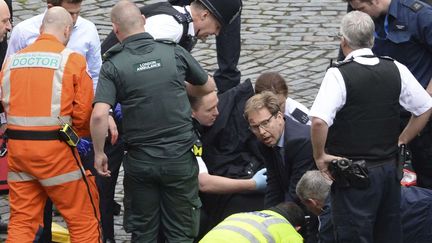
[[367, 127]]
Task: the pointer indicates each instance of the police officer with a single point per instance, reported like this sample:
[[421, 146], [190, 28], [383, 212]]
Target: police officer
[[403, 31], [228, 46], [184, 24], [277, 224], [356, 116], [147, 78]]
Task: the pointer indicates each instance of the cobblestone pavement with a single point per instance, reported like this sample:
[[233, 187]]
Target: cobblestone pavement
[[288, 36]]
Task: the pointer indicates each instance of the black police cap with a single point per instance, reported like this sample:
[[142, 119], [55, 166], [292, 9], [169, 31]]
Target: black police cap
[[225, 11]]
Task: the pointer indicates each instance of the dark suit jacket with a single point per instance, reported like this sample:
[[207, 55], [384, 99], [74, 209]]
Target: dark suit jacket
[[230, 148], [282, 177]]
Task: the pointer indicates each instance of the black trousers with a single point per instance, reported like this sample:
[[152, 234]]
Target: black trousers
[[421, 152], [106, 187], [228, 47], [369, 215]]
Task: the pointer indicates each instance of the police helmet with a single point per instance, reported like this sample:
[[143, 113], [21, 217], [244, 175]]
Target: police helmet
[[225, 11]]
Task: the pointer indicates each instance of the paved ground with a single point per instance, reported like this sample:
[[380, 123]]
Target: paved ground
[[288, 36]]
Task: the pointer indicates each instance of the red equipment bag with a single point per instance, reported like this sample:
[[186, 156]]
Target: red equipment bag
[[3, 166]]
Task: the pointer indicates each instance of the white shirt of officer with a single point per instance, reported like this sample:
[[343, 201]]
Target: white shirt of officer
[[163, 26], [332, 94]]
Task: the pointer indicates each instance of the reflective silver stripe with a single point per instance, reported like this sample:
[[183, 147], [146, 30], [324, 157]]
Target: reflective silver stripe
[[37, 121], [51, 120], [268, 222], [57, 84], [36, 60], [61, 179], [249, 236], [6, 85], [261, 228], [19, 176]]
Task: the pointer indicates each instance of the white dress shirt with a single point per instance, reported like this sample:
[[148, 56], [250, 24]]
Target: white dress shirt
[[84, 40], [163, 26], [291, 105], [331, 96]]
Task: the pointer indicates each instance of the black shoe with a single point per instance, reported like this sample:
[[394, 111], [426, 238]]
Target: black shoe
[[116, 208], [3, 227]]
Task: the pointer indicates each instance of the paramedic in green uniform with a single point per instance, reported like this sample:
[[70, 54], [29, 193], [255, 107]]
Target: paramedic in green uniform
[[147, 78]]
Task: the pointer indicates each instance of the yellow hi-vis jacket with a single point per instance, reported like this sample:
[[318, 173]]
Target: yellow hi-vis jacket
[[254, 227]]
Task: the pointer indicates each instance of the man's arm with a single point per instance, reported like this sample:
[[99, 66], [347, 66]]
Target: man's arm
[[319, 131], [414, 127], [223, 185], [201, 90], [429, 88], [82, 104], [15, 42], [99, 128], [93, 56]]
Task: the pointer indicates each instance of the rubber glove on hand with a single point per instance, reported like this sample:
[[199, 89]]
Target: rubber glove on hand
[[84, 146], [260, 179]]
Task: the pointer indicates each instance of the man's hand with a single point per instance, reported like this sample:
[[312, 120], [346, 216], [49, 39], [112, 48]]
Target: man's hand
[[260, 179], [101, 165], [112, 127], [323, 163], [3, 128]]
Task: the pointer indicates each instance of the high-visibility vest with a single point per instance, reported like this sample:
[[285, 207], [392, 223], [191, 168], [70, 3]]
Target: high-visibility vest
[[254, 227]]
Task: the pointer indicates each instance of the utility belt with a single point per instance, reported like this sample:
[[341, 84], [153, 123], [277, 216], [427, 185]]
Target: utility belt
[[349, 173], [65, 134]]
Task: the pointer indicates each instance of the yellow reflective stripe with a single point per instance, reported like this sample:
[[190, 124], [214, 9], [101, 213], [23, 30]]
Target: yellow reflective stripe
[[56, 92], [61, 179], [246, 234], [261, 228], [19, 176]]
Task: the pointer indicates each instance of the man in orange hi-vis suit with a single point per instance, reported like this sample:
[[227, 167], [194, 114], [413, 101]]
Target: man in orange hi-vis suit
[[41, 85]]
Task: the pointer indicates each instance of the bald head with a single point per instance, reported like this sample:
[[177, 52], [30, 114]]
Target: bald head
[[127, 19], [5, 24], [58, 22]]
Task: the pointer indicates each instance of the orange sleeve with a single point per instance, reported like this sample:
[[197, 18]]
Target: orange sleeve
[[82, 103]]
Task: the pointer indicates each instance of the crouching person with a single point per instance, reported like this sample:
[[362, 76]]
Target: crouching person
[[277, 224]]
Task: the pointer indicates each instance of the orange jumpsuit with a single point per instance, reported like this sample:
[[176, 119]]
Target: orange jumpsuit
[[39, 84]]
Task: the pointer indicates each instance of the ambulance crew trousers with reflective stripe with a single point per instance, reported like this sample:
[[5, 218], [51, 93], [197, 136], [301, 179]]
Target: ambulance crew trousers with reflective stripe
[[38, 169]]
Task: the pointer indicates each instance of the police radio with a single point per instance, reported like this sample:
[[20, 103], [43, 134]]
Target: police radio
[[67, 134]]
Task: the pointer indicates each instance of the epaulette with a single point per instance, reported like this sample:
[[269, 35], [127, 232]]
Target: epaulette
[[416, 5], [112, 51], [166, 41]]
